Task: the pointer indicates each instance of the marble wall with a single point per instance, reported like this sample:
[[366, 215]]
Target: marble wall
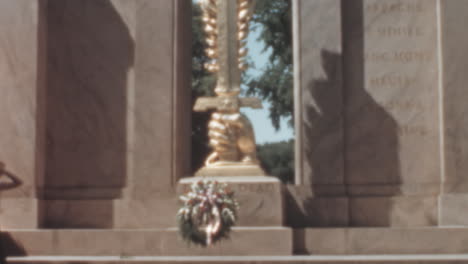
[[370, 112], [22, 64], [95, 111], [392, 140], [90, 78], [118, 83], [454, 17], [319, 116], [159, 133]]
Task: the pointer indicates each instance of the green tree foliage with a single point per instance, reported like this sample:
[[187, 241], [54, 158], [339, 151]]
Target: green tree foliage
[[278, 159], [272, 18], [202, 80], [202, 85]]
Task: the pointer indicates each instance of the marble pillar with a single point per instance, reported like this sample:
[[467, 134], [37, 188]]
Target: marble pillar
[[319, 197], [370, 125], [392, 106], [159, 133], [22, 83], [90, 78], [454, 40], [117, 114]]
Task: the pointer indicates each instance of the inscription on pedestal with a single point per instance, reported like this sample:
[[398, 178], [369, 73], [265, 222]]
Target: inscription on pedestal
[[245, 188]]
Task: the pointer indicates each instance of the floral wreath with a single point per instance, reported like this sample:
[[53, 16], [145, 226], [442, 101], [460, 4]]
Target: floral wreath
[[209, 211]]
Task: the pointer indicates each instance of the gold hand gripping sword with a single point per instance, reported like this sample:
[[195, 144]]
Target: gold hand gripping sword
[[226, 24]]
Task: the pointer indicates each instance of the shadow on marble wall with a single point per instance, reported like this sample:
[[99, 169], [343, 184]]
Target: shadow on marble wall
[[323, 124], [90, 52], [9, 248], [351, 142], [8, 180], [371, 134]]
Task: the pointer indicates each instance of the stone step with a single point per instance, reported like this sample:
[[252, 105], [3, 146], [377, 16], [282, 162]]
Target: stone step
[[379, 241], [344, 259], [243, 241]]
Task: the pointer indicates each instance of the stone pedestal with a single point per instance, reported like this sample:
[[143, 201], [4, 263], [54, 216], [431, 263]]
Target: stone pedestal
[[259, 232], [230, 171], [260, 198]]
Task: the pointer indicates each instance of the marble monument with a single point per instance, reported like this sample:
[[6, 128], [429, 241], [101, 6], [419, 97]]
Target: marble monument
[[95, 113]]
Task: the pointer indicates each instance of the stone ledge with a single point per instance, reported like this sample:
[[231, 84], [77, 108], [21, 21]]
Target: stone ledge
[[453, 209], [376, 241], [258, 241], [381, 259], [244, 241], [231, 171]]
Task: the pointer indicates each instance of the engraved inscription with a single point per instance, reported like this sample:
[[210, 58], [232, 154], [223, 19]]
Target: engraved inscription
[[392, 80], [398, 112], [404, 57], [399, 43], [254, 188], [406, 31], [402, 105], [258, 188], [413, 130], [384, 7]]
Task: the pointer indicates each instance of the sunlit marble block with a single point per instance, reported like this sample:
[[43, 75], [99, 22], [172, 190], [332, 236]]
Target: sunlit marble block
[[260, 198]]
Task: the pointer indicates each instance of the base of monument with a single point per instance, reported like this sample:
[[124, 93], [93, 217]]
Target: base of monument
[[243, 241], [346, 259], [276, 245], [230, 171], [260, 198]]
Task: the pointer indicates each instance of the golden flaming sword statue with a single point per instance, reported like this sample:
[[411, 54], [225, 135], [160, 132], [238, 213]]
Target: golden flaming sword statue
[[226, 24]]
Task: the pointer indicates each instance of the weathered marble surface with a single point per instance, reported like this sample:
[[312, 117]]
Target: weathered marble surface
[[21, 114], [116, 103], [268, 241], [90, 78], [392, 122], [260, 198], [453, 209], [159, 114], [398, 211], [319, 116], [392, 97], [321, 92], [381, 259], [374, 241], [231, 171], [304, 208], [454, 200], [370, 110], [118, 86]]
